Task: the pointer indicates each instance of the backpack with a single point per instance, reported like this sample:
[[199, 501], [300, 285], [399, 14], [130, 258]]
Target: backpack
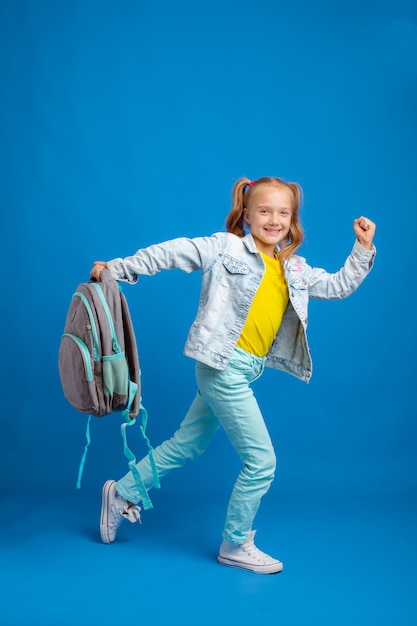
[[99, 365]]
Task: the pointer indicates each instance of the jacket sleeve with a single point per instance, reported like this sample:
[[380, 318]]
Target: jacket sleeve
[[323, 285], [182, 253]]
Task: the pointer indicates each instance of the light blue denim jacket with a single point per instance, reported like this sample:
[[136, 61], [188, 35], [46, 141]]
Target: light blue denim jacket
[[232, 270]]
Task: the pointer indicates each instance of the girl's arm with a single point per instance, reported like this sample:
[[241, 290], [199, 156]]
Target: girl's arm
[[323, 285], [185, 254]]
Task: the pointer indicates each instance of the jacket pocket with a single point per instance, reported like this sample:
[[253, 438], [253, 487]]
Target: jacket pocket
[[298, 281], [235, 266], [231, 272]]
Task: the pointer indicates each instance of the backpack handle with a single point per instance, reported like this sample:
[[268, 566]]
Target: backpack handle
[[105, 277]]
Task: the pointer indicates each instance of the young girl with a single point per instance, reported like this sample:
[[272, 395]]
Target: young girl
[[252, 313]]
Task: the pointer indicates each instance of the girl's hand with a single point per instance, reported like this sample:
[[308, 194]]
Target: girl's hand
[[98, 267], [364, 230]]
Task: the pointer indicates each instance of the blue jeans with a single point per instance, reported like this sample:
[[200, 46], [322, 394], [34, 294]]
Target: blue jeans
[[224, 399]]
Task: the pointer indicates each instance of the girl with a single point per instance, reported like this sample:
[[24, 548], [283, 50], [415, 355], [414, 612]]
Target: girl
[[252, 313]]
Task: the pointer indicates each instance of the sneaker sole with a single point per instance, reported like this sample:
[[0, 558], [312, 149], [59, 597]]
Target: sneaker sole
[[274, 568], [104, 528]]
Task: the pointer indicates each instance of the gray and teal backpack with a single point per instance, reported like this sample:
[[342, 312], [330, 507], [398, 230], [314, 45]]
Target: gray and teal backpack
[[99, 365]]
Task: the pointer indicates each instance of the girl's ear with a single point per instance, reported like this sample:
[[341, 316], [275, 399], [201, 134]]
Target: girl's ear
[[246, 216]]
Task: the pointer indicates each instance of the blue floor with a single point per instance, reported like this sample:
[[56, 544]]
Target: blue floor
[[346, 561]]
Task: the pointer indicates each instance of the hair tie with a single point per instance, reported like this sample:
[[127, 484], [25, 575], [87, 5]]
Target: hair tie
[[251, 183]]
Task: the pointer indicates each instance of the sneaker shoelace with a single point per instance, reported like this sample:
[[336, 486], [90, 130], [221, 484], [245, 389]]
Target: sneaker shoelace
[[254, 552], [131, 512]]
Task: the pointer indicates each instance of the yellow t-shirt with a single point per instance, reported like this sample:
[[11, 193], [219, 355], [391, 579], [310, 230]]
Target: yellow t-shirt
[[268, 307]]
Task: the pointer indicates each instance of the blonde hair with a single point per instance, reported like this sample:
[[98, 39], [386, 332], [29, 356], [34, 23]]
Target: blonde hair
[[245, 191]]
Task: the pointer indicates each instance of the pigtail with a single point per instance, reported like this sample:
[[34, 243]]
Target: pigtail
[[296, 234], [234, 221]]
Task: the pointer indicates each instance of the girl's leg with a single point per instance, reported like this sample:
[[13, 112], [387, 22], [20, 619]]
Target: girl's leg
[[189, 442], [232, 401]]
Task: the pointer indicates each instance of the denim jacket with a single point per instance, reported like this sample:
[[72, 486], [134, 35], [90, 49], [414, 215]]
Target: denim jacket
[[232, 270]]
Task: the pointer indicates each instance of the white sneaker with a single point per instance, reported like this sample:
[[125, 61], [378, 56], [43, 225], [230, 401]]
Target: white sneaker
[[113, 509], [247, 556]]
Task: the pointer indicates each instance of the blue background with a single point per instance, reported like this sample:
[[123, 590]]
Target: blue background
[[124, 124]]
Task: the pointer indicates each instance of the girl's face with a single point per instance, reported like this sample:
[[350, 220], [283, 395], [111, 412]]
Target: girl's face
[[269, 217]]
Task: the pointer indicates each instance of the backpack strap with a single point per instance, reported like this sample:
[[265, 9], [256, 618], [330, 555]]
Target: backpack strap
[[84, 455], [156, 482], [145, 499]]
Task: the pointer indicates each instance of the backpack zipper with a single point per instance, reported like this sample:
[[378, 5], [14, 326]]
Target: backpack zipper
[[96, 343], [115, 341]]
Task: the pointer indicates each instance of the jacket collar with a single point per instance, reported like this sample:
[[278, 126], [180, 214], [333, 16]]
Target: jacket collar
[[250, 243]]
